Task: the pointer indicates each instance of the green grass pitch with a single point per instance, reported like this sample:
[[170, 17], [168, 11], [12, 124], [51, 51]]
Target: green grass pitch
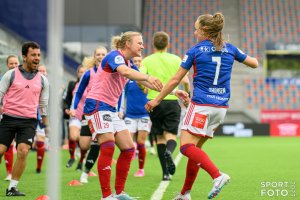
[[262, 168]]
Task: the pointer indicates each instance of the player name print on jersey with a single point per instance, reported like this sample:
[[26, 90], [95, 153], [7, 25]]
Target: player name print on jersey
[[217, 90]]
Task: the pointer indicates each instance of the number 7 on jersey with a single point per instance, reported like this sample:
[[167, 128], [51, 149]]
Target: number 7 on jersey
[[218, 61]]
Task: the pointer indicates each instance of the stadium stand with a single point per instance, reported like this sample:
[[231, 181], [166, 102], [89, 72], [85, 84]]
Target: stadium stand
[[177, 19], [8, 45], [29, 23], [263, 21], [259, 22], [272, 93]]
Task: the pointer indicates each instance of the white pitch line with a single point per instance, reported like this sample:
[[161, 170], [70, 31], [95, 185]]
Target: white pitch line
[[159, 192]]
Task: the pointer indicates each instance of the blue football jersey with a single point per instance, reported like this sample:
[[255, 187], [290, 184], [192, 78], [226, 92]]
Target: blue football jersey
[[212, 72], [135, 101]]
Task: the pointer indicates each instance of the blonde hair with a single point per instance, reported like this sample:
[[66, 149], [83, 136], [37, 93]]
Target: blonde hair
[[212, 26], [100, 47], [114, 42], [89, 62], [119, 42]]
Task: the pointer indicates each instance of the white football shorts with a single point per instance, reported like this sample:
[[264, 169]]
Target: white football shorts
[[138, 124], [74, 122], [40, 131], [203, 120], [105, 122]]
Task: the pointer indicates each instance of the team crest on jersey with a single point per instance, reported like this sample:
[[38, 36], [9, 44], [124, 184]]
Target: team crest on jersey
[[119, 60]]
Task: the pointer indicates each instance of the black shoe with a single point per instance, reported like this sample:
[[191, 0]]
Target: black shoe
[[38, 171], [70, 162], [166, 177], [14, 192], [170, 163], [79, 167]]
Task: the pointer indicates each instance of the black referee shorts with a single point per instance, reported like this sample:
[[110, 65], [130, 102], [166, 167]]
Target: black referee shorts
[[165, 117]]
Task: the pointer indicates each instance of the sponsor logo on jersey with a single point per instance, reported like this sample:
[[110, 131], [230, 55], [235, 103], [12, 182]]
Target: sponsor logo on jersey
[[185, 58], [212, 49], [204, 49], [107, 117], [217, 97], [119, 60], [199, 120]]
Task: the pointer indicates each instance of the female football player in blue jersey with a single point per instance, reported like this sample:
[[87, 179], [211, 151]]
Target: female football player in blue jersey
[[212, 59]]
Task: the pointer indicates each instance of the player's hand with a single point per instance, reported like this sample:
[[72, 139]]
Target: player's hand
[[67, 111], [44, 126], [186, 102], [155, 82], [72, 113], [184, 96], [151, 105]]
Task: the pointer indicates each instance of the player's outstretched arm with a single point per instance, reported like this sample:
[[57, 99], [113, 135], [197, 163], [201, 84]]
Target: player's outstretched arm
[[167, 89], [132, 74], [251, 62]]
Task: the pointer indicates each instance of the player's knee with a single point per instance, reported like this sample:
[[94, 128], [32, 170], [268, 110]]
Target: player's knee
[[183, 148], [23, 151], [84, 146]]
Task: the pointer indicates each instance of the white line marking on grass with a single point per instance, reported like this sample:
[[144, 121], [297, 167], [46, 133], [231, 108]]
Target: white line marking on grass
[[159, 192]]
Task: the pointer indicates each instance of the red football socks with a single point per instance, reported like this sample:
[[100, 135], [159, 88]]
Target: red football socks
[[142, 155], [201, 158], [104, 166], [191, 173], [40, 152], [9, 159], [123, 165], [72, 148]]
